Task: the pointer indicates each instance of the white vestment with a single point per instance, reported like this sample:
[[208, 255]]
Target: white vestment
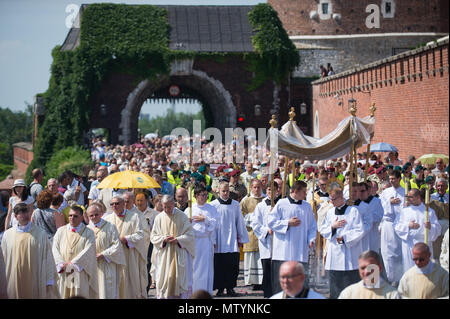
[[364, 211], [390, 244], [28, 264], [259, 223], [361, 291], [110, 267], [311, 295], [205, 233], [429, 282], [444, 252], [134, 279], [174, 269], [289, 242], [231, 227], [77, 248], [343, 256], [377, 212], [409, 237]]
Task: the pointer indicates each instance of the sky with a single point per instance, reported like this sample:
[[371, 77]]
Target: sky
[[30, 29]]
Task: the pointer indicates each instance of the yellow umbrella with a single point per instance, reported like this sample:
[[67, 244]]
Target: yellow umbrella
[[128, 179], [431, 158]]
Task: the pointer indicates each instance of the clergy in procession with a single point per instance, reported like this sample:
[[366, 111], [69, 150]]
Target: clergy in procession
[[372, 285], [410, 226], [172, 233], [443, 259], [147, 215], [253, 270], [75, 257], [426, 279], [294, 230], [29, 269], [376, 212], [131, 235], [259, 224], [320, 193], [392, 199], [360, 195], [292, 281], [109, 253], [343, 228], [231, 233], [204, 224]]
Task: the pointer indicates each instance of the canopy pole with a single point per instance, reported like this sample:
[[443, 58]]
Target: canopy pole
[[286, 165], [366, 172], [273, 123]]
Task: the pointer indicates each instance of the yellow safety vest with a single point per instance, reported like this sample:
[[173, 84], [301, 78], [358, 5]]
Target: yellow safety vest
[[173, 180]]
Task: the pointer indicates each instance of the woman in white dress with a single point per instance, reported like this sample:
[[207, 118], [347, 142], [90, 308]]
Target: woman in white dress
[[19, 195]]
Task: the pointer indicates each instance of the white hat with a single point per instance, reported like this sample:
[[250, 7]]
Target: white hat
[[330, 163], [307, 163], [19, 182], [321, 163]]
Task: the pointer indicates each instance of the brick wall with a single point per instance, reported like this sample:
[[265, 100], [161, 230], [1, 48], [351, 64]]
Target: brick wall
[[409, 16], [23, 155], [410, 91]]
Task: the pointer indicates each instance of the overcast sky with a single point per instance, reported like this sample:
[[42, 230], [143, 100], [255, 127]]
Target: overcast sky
[[30, 29]]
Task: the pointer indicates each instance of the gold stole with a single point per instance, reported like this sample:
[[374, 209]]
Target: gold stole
[[24, 255], [97, 237], [71, 251], [169, 227], [423, 286]]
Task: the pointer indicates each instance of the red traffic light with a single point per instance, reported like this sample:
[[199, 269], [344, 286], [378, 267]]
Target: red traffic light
[[240, 119]]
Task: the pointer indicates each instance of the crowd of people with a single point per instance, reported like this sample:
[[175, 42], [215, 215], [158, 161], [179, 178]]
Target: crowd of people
[[379, 233]]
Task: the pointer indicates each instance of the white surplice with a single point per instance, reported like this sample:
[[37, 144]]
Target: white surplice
[[205, 238], [390, 243], [231, 227], [377, 212], [343, 256], [289, 242], [259, 223], [409, 237], [364, 211]]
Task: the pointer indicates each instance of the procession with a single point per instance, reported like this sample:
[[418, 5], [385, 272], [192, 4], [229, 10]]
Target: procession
[[223, 150], [356, 227]]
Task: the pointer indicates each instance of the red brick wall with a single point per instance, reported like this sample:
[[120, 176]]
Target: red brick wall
[[410, 92], [410, 16], [22, 159]]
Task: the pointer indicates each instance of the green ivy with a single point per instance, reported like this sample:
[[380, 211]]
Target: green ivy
[[134, 39], [276, 55]]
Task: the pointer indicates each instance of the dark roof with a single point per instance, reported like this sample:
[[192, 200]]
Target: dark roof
[[199, 28]]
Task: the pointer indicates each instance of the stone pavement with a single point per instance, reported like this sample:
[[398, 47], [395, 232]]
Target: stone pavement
[[246, 292]]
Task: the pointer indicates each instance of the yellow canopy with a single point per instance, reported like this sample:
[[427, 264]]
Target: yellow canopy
[[128, 179]]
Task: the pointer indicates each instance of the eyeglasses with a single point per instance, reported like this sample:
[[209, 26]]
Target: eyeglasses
[[288, 277], [419, 259], [115, 203]]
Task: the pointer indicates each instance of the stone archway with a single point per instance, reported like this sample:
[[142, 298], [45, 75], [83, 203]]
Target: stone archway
[[219, 100]]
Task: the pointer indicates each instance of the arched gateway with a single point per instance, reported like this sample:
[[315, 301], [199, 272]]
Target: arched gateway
[[217, 69]]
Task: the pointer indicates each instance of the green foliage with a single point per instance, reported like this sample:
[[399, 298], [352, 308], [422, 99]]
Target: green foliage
[[72, 158], [5, 169], [14, 127], [165, 124], [276, 54]]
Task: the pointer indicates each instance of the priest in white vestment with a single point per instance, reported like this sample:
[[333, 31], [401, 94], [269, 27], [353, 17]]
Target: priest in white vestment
[[294, 230], [292, 281], [230, 234], [392, 199], [27, 269], [204, 224], [410, 226], [75, 258], [360, 194], [173, 235], [110, 255], [343, 228], [377, 212], [426, 279], [131, 235], [259, 223], [372, 285]]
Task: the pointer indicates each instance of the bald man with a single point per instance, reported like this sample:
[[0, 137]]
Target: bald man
[[426, 279], [292, 279]]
